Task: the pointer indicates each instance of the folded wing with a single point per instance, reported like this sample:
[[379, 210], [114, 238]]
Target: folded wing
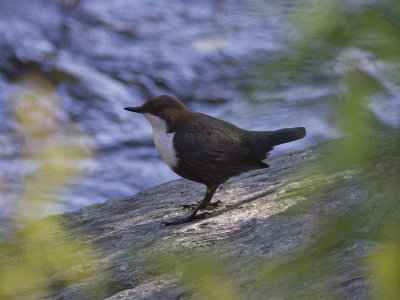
[[212, 151]]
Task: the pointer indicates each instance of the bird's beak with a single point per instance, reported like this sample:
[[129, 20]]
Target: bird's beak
[[134, 109]]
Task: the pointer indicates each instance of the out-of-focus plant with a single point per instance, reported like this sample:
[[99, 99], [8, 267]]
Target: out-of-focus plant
[[358, 45], [386, 265], [40, 254], [203, 273]]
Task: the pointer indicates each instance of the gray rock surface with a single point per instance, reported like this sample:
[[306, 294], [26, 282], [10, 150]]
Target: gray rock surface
[[298, 230]]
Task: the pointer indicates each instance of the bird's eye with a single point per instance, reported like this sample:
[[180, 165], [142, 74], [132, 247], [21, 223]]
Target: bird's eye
[[157, 107]]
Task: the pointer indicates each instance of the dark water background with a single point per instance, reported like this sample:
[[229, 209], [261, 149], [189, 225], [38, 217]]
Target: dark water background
[[104, 55]]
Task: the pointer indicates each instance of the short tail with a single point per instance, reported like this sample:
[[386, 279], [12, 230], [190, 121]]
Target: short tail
[[262, 142], [286, 135]]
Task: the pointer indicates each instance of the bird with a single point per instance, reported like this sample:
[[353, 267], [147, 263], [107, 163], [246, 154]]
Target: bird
[[205, 149]]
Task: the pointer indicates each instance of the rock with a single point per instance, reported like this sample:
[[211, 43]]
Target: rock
[[301, 229]]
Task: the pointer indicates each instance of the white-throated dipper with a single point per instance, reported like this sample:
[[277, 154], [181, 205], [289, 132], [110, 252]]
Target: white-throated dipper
[[205, 149]]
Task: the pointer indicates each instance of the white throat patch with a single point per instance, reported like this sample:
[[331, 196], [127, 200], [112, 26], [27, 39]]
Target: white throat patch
[[164, 141]]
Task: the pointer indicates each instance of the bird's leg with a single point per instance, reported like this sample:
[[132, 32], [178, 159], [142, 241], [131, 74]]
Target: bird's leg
[[212, 204], [208, 202], [207, 198]]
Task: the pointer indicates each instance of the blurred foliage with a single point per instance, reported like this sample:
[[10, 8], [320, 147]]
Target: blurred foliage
[[338, 35], [39, 255], [386, 264], [203, 273]]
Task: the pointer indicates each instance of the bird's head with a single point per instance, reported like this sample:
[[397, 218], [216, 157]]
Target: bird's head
[[161, 111]]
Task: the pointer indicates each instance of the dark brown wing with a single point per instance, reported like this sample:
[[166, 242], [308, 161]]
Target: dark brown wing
[[210, 151]]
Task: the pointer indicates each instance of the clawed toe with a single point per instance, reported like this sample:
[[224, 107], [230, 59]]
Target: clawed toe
[[189, 206], [194, 205], [211, 204], [214, 204], [185, 220]]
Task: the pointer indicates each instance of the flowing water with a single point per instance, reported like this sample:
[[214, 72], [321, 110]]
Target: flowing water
[[101, 56]]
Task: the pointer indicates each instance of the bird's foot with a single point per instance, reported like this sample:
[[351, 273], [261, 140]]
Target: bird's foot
[[185, 220], [212, 204], [190, 205], [194, 205]]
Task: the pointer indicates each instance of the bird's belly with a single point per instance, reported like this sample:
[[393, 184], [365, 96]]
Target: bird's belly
[[165, 145]]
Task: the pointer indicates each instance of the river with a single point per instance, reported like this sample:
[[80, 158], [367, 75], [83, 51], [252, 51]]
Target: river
[[101, 56]]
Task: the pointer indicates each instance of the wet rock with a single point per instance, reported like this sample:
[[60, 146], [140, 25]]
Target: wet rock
[[279, 217]]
